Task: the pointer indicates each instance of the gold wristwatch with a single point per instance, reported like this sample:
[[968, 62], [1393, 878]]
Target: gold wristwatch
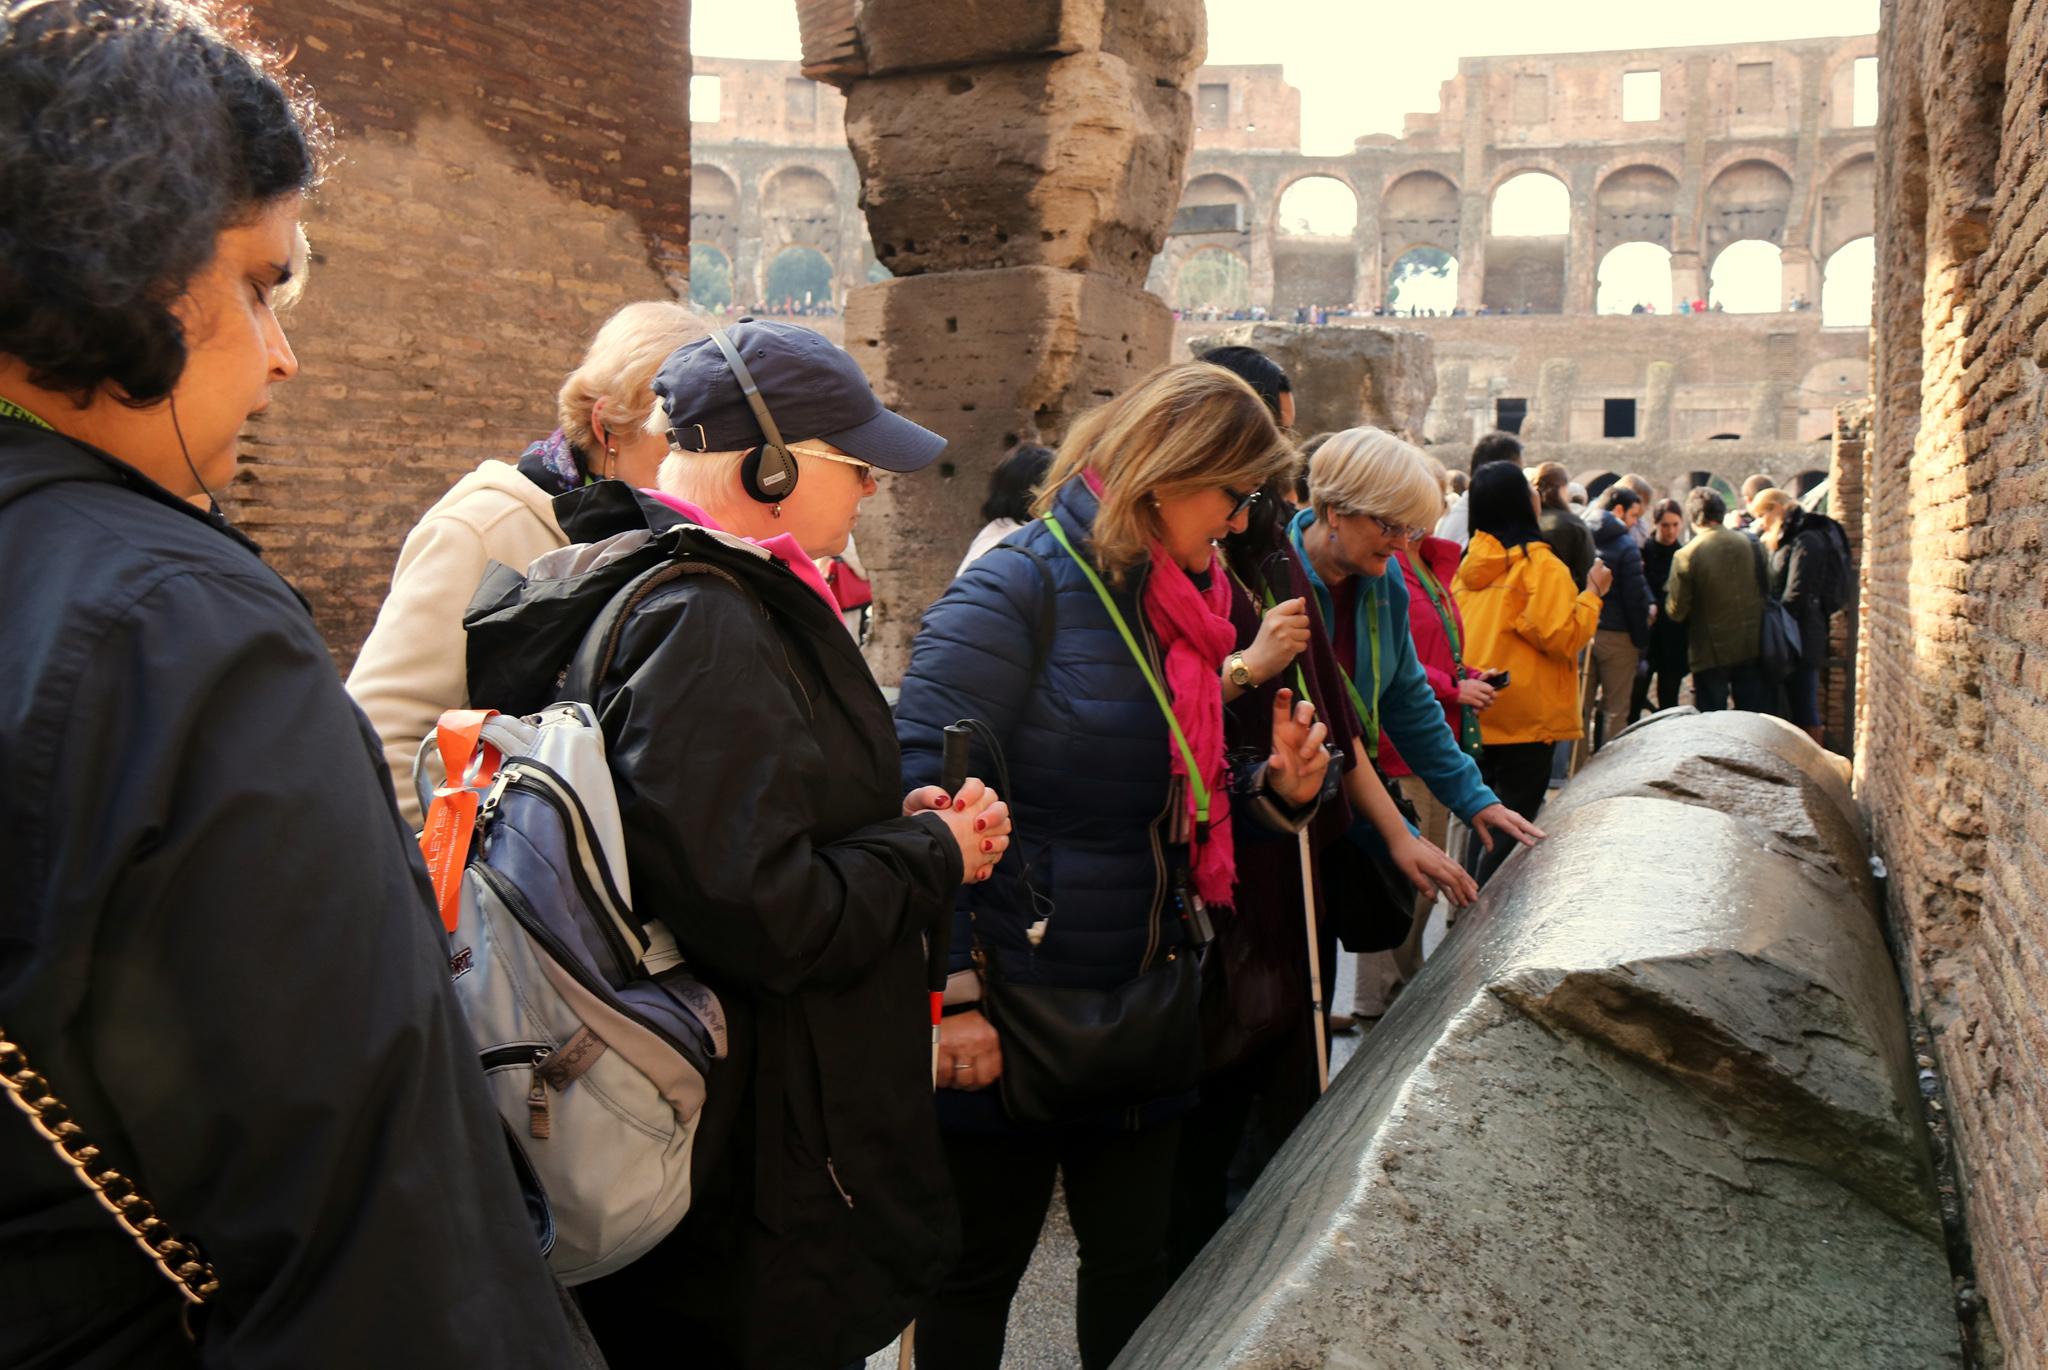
[[1236, 672]]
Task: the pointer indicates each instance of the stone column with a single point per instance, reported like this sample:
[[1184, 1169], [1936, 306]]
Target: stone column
[[1368, 284], [1448, 420], [1020, 165], [1688, 278], [1551, 419], [1801, 276], [1262, 262], [1658, 383], [1766, 412], [1471, 250], [746, 262], [1581, 272]]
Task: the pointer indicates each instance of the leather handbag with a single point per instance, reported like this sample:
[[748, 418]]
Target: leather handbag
[[1070, 1052], [1778, 644]]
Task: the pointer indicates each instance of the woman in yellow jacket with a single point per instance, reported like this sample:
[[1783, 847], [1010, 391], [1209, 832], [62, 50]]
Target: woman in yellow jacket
[[1522, 616]]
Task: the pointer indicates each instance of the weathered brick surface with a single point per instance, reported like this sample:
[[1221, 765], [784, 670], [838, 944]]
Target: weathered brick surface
[[1953, 691], [507, 177]]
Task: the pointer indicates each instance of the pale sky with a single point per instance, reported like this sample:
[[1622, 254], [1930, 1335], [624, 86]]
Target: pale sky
[[1361, 66]]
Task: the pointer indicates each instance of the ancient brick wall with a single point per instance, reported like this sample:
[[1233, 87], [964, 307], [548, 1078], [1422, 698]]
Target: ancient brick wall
[[1952, 720], [507, 177]]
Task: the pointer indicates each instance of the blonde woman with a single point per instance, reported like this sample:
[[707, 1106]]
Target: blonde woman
[[411, 667], [1370, 496], [1809, 559], [1093, 644]]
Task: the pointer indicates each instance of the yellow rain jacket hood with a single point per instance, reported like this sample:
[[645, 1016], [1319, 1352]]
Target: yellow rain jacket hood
[[1522, 615]]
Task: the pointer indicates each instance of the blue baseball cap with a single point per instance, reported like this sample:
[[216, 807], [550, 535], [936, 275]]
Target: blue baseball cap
[[812, 390]]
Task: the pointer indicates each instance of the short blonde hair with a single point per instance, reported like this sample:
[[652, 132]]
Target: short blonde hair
[[1771, 501], [705, 479], [620, 365], [1184, 428], [1370, 471]]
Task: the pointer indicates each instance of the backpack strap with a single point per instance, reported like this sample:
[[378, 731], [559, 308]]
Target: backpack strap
[[585, 674]]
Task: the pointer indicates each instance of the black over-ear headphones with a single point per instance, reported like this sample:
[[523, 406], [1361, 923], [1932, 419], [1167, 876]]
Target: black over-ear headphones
[[767, 473]]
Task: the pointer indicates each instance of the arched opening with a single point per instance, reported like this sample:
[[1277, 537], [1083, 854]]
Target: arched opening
[[1423, 281], [710, 277], [1534, 204], [1315, 266], [1803, 483], [799, 282], [1317, 207], [1213, 281], [1848, 284], [1418, 210], [714, 208], [1213, 203], [800, 207], [1848, 205], [1748, 278], [1529, 233], [1635, 278], [1635, 205], [1749, 200]]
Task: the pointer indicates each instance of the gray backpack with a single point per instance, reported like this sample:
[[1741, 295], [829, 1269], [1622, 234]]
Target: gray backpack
[[594, 1038]]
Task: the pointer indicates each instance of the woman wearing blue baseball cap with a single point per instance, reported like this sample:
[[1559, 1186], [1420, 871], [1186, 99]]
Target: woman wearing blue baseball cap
[[766, 821]]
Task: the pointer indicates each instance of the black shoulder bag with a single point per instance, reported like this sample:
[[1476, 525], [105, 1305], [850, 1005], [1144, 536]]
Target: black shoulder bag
[[1070, 1052]]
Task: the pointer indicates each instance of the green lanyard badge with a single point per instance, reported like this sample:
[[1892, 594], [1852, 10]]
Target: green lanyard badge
[[1468, 719], [1187, 752], [10, 410]]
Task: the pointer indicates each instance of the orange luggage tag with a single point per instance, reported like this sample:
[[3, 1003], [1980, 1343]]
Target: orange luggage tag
[[469, 764]]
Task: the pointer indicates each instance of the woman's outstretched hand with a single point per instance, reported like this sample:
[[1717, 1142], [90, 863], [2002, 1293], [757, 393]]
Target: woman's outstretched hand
[[978, 820], [1499, 821], [1434, 873], [1294, 771]]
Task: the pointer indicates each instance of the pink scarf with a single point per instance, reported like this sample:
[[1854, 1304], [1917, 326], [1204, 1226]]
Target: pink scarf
[[1195, 636]]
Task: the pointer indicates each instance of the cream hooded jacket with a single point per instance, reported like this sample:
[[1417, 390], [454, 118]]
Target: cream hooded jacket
[[412, 667]]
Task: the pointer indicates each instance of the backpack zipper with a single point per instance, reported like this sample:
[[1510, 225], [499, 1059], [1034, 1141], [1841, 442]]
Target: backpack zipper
[[834, 1173], [614, 923]]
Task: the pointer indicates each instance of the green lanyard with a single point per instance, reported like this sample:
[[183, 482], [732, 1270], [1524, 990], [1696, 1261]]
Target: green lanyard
[[1368, 717], [10, 410], [1187, 752]]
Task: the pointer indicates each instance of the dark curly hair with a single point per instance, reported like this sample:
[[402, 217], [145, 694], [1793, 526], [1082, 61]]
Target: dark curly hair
[[132, 133]]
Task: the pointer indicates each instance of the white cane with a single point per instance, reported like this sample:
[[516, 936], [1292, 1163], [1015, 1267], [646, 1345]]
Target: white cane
[[1315, 964]]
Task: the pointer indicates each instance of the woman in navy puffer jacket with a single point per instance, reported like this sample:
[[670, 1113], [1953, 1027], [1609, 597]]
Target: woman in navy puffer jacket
[[1142, 488]]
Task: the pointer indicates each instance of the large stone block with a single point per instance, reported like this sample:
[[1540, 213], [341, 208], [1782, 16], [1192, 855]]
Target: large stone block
[[1163, 38], [1344, 377], [1607, 1130], [1070, 162], [984, 358]]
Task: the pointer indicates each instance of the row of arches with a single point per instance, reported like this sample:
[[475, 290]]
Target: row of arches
[[1527, 229], [797, 280], [1634, 277]]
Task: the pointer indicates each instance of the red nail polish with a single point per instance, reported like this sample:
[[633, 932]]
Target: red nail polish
[[987, 845], [980, 823]]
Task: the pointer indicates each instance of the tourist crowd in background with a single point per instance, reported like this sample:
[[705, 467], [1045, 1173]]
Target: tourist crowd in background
[[1205, 707]]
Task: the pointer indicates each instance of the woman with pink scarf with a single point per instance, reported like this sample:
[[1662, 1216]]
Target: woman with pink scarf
[[1093, 644]]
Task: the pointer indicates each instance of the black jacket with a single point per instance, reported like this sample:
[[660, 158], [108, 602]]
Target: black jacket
[[1668, 637], [1626, 606], [1804, 569], [217, 944], [1569, 537], [762, 796]]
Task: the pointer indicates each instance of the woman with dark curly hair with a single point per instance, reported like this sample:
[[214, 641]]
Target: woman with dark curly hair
[[217, 949]]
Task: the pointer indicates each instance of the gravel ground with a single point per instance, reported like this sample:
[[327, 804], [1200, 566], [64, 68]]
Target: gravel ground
[[1041, 1335]]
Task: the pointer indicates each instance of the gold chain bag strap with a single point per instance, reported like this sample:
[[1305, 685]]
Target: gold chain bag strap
[[179, 1259]]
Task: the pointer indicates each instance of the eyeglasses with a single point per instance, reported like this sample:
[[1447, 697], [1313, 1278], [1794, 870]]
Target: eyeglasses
[[1240, 501], [866, 469], [1396, 530]]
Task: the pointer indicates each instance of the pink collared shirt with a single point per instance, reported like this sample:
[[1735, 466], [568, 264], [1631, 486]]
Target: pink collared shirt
[[783, 546]]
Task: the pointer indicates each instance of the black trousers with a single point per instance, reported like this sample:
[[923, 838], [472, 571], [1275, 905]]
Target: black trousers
[[1518, 772], [1711, 689], [1119, 1188], [1669, 677]]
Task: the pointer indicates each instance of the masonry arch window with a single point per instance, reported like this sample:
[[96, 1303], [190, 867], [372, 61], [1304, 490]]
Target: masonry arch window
[[1424, 281], [1635, 278], [710, 277], [1750, 199], [799, 281], [1213, 204], [1848, 205], [1213, 278], [1528, 235], [1848, 285], [704, 96], [1748, 278], [714, 209], [1618, 418], [800, 207], [1642, 97], [1318, 207]]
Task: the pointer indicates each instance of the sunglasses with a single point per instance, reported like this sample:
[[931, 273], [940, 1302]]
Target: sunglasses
[[866, 470], [1396, 530], [1240, 501]]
